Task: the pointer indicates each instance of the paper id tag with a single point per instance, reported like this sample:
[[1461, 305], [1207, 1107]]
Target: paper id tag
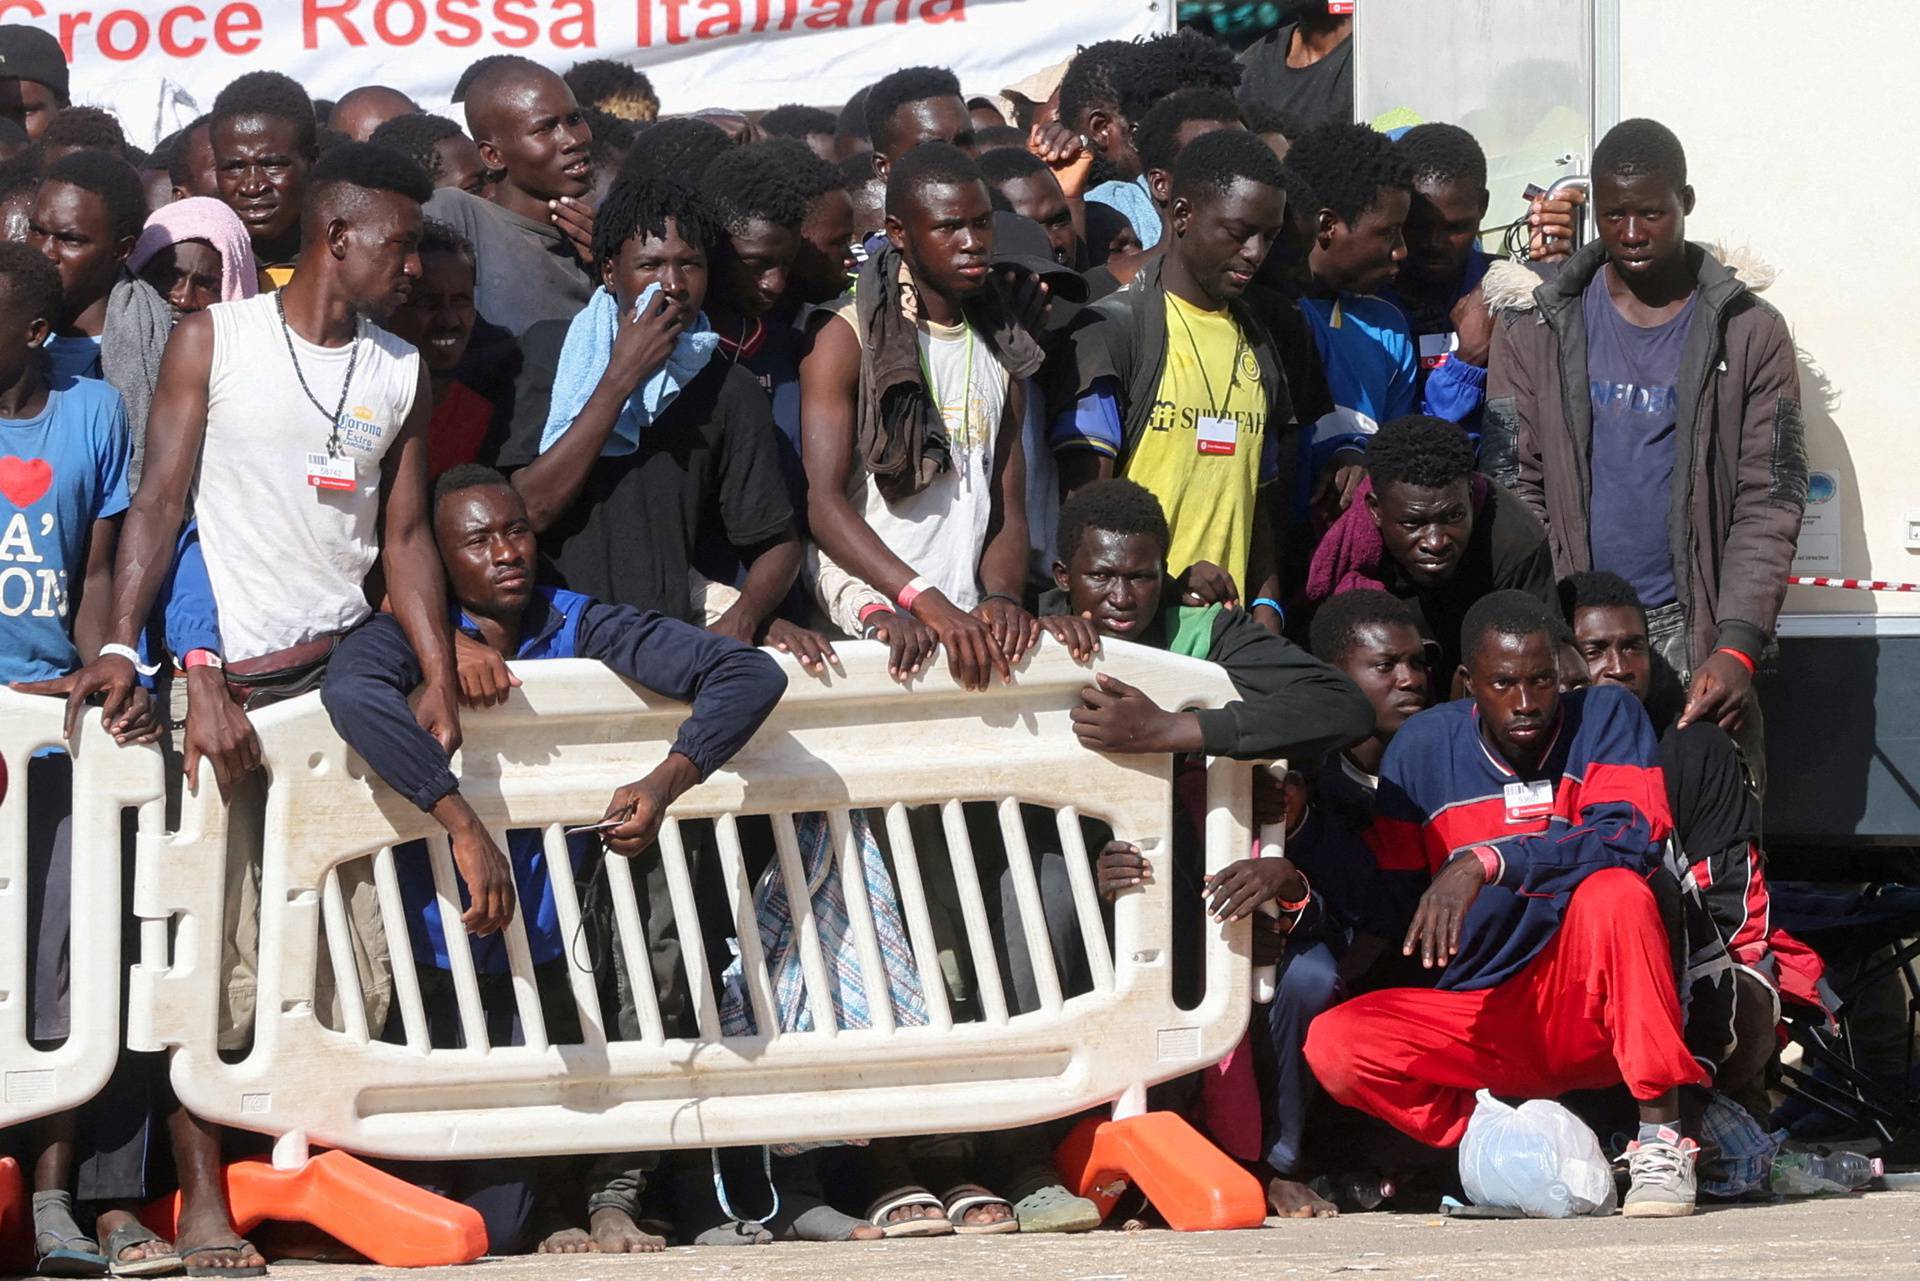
[[1216, 435], [324, 471], [1529, 800], [1436, 348]]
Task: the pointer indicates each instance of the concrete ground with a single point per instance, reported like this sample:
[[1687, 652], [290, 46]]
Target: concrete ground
[[1875, 1235]]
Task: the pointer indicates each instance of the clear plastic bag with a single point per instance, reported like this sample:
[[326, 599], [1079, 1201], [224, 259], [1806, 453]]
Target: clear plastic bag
[[1538, 1159]]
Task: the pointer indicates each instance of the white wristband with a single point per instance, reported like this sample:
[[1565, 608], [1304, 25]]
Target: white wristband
[[132, 656]]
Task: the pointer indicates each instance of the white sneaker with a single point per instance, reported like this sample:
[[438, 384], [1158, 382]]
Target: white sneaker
[[1661, 1170]]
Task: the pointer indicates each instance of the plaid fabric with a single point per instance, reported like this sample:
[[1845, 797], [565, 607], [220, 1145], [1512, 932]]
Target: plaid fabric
[[781, 944], [1736, 1151]]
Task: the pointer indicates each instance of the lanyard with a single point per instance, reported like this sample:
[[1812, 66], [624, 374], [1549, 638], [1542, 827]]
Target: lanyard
[[353, 359], [720, 1187], [1233, 371]]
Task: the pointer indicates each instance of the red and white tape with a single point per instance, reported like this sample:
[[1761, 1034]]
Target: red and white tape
[[1852, 584]]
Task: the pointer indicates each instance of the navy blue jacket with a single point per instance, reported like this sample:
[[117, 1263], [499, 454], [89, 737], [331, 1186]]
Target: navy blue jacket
[[732, 687], [1597, 801]]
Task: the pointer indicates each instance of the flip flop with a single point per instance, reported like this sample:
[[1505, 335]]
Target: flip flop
[[206, 1270], [61, 1261], [61, 1248], [926, 1227], [133, 1232], [968, 1197], [1054, 1209]]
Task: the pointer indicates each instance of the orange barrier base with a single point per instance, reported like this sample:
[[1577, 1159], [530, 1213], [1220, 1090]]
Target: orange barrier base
[[390, 1221], [1195, 1186], [16, 1220]]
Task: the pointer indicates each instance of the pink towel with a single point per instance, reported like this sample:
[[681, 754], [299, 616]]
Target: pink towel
[[1350, 554], [1353, 556], [206, 219]]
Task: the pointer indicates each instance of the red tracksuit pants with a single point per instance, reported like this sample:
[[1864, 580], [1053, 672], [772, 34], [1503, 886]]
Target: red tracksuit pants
[[1596, 1007]]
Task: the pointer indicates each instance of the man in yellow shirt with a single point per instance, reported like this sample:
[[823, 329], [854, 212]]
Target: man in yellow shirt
[[1174, 384]]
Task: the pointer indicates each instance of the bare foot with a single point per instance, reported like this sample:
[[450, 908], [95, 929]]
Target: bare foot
[[1290, 1200], [568, 1241], [615, 1233]]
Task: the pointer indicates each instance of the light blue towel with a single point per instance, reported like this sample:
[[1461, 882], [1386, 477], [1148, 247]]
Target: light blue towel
[[1132, 200], [584, 357]]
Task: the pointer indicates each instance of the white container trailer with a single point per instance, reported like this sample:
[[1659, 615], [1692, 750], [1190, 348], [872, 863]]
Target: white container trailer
[[1797, 124]]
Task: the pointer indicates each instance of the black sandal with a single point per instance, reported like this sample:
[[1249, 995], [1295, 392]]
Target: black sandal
[[132, 1233], [229, 1247]]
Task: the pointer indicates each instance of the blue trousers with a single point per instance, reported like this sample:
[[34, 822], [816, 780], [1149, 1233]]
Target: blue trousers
[[1308, 985]]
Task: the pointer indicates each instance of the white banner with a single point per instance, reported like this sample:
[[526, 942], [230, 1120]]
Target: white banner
[[159, 63]]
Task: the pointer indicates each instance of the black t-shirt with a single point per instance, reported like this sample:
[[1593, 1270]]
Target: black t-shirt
[[775, 366], [1100, 282], [1507, 550], [1310, 95], [629, 537]]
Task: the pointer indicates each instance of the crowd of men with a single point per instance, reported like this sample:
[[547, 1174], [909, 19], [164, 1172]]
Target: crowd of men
[[1155, 347]]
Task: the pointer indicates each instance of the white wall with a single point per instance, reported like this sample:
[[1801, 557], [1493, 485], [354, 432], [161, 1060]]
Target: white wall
[[1522, 88], [1798, 123]]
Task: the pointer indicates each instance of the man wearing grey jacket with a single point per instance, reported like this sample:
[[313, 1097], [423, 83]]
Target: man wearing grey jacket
[[1646, 405]]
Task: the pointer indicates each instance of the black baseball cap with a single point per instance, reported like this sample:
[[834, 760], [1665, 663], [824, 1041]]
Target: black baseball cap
[[1021, 242], [28, 53]]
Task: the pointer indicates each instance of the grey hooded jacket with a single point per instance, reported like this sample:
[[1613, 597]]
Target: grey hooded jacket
[[1740, 458]]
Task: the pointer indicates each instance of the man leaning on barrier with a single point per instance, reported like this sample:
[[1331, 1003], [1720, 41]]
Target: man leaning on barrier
[[487, 542], [1113, 542]]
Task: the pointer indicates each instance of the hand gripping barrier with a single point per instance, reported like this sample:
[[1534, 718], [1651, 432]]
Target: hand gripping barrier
[[855, 741], [105, 781], [552, 756]]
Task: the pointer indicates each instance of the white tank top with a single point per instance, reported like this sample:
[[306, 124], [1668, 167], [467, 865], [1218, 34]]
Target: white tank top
[[942, 530], [289, 560]]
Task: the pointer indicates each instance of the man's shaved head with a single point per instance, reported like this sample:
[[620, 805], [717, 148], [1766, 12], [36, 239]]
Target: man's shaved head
[[498, 86], [365, 109], [529, 130]]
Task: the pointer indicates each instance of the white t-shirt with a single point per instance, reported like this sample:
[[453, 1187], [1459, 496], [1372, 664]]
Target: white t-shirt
[[289, 560], [942, 530]]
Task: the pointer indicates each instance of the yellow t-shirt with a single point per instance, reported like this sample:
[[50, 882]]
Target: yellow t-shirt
[[1206, 451]]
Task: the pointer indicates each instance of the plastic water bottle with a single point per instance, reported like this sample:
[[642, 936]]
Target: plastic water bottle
[[1805, 1174]]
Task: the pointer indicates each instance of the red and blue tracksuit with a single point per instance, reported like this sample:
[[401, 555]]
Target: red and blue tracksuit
[[1564, 978]]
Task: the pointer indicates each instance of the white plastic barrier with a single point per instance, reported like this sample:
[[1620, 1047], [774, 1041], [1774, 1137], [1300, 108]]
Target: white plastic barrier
[[106, 780], [552, 756]]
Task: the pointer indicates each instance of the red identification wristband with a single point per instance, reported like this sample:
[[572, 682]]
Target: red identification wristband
[[1489, 862], [877, 607], [1306, 897], [1744, 660], [911, 592]]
